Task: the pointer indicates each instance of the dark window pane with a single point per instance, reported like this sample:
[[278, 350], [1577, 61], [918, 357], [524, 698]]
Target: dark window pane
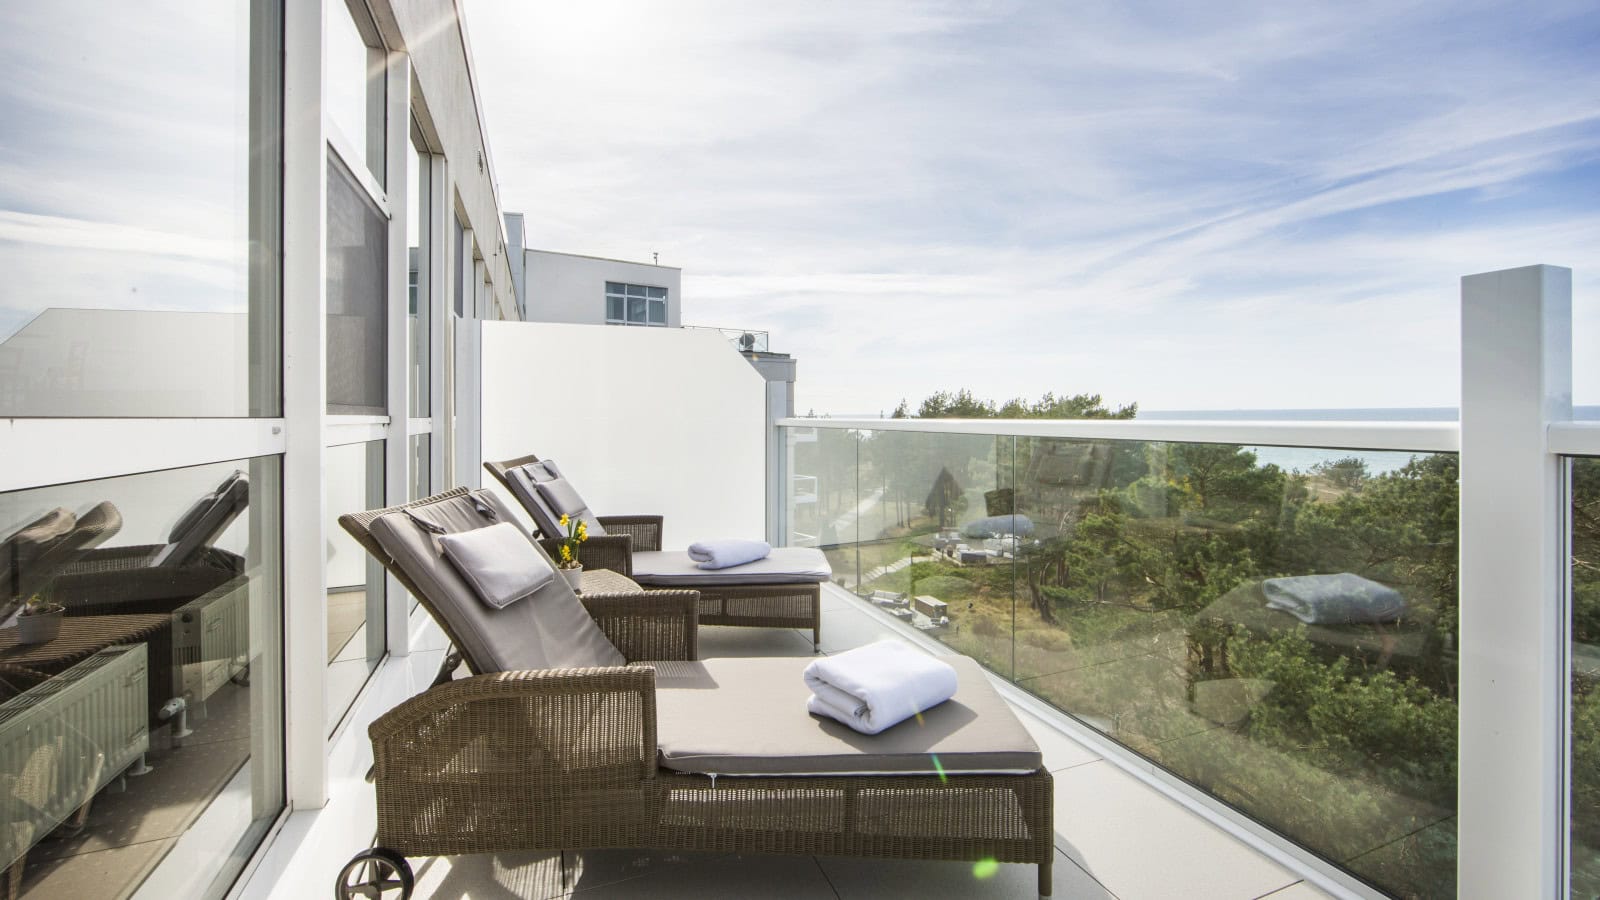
[[658, 312], [636, 309], [356, 294], [614, 309], [656, 293]]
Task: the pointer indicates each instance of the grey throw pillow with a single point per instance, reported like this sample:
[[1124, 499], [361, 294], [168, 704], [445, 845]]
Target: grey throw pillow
[[499, 561]]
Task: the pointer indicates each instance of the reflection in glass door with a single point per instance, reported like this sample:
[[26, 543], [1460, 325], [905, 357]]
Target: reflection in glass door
[[355, 578]]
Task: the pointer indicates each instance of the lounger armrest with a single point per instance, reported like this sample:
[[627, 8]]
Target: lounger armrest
[[559, 751], [649, 625], [646, 530], [603, 551]]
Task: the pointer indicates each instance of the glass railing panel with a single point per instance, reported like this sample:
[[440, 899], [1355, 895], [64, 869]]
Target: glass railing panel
[[1276, 626], [1585, 656], [823, 495], [934, 523]]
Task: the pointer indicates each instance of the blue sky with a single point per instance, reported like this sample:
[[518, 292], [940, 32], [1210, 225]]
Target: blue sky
[[1191, 206]]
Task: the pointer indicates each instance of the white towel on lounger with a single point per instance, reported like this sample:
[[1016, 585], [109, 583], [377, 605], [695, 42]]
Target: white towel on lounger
[[725, 553], [876, 687]]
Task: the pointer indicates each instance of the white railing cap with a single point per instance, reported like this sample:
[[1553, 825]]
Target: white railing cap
[[1427, 437]]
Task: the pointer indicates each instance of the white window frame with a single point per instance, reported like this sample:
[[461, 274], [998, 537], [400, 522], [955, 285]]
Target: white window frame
[[665, 301]]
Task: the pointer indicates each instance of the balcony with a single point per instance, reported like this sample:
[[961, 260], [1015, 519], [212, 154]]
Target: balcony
[[1132, 588]]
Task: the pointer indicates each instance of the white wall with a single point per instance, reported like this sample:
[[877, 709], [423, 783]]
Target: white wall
[[642, 420], [563, 287]]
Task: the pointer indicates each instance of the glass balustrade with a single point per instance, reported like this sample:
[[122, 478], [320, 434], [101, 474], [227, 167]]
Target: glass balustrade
[[1274, 625]]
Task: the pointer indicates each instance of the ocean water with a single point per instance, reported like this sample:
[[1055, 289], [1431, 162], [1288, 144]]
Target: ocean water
[[1303, 459]]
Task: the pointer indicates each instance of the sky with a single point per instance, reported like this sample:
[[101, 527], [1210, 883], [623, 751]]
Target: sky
[[1188, 206]]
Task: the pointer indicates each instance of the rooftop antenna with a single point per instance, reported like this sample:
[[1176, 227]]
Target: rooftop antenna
[[655, 258]]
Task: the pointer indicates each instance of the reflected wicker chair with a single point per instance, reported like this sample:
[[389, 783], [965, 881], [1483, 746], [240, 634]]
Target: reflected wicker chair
[[157, 578], [573, 758], [632, 546], [31, 558]]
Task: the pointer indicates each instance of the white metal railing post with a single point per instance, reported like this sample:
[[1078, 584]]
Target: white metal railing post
[[1516, 379]]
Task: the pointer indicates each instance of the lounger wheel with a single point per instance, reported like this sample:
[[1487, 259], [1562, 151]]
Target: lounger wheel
[[375, 874]]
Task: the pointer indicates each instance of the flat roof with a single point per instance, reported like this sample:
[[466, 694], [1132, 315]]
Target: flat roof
[[601, 258]]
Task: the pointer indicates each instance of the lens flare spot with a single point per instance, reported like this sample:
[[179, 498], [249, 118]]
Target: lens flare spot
[[985, 868], [939, 767]]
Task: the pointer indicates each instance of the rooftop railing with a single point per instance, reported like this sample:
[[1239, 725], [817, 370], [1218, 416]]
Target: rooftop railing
[[744, 340]]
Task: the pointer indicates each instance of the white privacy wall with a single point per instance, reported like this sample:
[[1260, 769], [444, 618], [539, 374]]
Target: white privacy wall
[[642, 420]]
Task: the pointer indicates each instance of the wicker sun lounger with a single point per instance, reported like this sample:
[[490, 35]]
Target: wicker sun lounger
[[784, 591], [540, 750]]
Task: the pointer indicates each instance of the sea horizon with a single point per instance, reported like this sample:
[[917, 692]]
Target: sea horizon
[[1306, 459], [1345, 414]]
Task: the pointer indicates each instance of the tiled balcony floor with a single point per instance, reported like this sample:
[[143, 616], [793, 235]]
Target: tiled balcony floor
[[1115, 836]]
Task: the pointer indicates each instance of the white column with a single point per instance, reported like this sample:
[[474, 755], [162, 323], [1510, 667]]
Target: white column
[[305, 593], [439, 209], [1516, 378], [397, 450]]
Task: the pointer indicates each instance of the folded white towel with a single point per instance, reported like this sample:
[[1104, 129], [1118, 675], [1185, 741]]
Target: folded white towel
[[725, 553], [878, 686]]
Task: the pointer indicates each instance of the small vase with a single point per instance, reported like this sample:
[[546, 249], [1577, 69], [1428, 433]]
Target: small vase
[[574, 577], [39, 627]]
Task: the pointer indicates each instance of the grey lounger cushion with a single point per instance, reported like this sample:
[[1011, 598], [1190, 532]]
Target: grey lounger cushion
[[547, 496], [704, 710], [549, 629], [785, 565]]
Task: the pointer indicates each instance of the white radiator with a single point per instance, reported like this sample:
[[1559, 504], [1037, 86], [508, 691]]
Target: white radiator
[[211, 640], [63, 740]]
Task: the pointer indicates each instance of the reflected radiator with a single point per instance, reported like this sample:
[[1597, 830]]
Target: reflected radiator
[[61, 741], [211, 640]]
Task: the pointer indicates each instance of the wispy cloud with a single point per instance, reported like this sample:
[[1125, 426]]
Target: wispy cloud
[[1214, 205]]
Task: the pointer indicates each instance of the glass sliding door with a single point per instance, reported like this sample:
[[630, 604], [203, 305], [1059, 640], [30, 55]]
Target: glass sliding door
[[157, 706], [356, 580]]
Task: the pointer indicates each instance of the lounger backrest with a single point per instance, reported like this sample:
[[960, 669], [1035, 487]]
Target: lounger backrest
[[546, 630], [93, 528], [545, 493], [204, 521], [21, 553]]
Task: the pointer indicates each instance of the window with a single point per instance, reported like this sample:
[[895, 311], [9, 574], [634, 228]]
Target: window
[[635, 304], [356, 583], [419, 220], [355, 86], [357, 292], [142, 219], [168, 660]]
